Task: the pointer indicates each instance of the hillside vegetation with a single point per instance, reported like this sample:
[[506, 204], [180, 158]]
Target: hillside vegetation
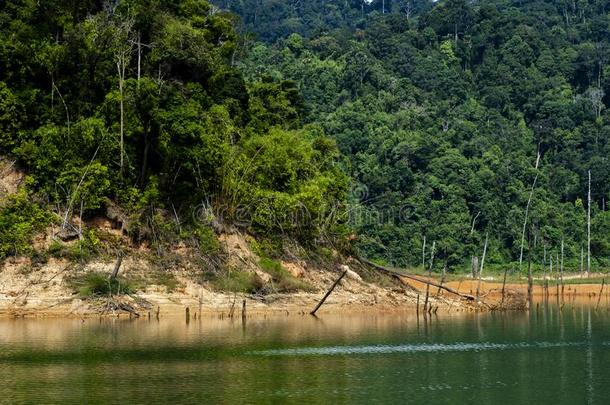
[[358, 127], [133, 111], [441, 111]]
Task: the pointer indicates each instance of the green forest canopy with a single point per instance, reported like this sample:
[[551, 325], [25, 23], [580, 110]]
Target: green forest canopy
[[137, 103], [426, 119], [440, 110]]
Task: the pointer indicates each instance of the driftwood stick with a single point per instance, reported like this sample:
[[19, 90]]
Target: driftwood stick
[[418, 279], [429, 275], [232, 306], [600, 293], [530, 280], [503, 286], [330, 290]]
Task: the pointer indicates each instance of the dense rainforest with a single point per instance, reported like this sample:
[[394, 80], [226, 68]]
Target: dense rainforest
[[399, 129], [135, 110], [451, 115]]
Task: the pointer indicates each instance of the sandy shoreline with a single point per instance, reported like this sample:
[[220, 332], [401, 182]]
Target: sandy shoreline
[[45, 292]]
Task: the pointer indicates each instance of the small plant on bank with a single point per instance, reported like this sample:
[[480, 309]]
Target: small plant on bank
[[239, 282], [92, 285], [283, 280]]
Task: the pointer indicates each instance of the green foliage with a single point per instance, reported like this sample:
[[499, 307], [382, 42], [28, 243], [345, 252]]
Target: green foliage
[[174, 128], [239, 282], [91, 285], [20, 218], [440, 118], [81, 250], [206, 240], [283, 281], [432, 114]]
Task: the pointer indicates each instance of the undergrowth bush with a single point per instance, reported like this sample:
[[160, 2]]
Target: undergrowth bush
[[95, 284], [20, 218], [239, 282], [283, 280]]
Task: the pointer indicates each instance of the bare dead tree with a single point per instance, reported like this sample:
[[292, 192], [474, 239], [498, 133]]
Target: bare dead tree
[[123, 51], [529, 270], [527, 208], [474, 221], [482, 264], [423, 254], [429, 275], [589, 227], [561, 270]]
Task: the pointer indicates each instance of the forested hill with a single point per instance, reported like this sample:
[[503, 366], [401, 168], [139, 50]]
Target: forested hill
[[171, 119], [441, 113], [132, 110]]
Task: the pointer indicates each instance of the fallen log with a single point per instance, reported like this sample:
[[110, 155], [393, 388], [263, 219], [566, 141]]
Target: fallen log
[[418, 279]]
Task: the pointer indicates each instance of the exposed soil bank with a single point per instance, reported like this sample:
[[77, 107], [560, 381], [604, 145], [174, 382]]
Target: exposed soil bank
[[45, 291], [491, 290]]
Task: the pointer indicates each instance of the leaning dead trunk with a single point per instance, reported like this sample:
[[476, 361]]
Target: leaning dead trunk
[[117, 267], [330, 290], [399, 276]]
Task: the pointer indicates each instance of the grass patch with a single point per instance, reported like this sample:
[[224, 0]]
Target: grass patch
[[283, 280], [81, 250], [91, 285], [238, 281], [165, 278]]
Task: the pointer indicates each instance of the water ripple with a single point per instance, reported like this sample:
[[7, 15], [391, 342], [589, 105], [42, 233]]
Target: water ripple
[[412, 348]]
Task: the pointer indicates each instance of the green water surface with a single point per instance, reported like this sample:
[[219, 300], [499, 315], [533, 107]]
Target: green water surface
[[543, 357]]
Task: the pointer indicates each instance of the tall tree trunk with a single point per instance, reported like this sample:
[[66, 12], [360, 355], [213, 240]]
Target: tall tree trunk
[[530, 281], [121, 70], [429, 275], [423, 254], [139, 57], [527, 208], [561, 271], [589, 227], [475, 267]]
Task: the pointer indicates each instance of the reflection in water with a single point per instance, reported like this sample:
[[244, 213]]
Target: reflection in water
[[544, 356]]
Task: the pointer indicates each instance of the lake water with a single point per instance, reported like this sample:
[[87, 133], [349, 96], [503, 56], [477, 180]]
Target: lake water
[[544, 357]]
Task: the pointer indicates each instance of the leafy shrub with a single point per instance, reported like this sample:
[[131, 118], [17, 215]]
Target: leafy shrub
[[81, 250], [238, 281], [20, 218], [285, 282], [206, 240]]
